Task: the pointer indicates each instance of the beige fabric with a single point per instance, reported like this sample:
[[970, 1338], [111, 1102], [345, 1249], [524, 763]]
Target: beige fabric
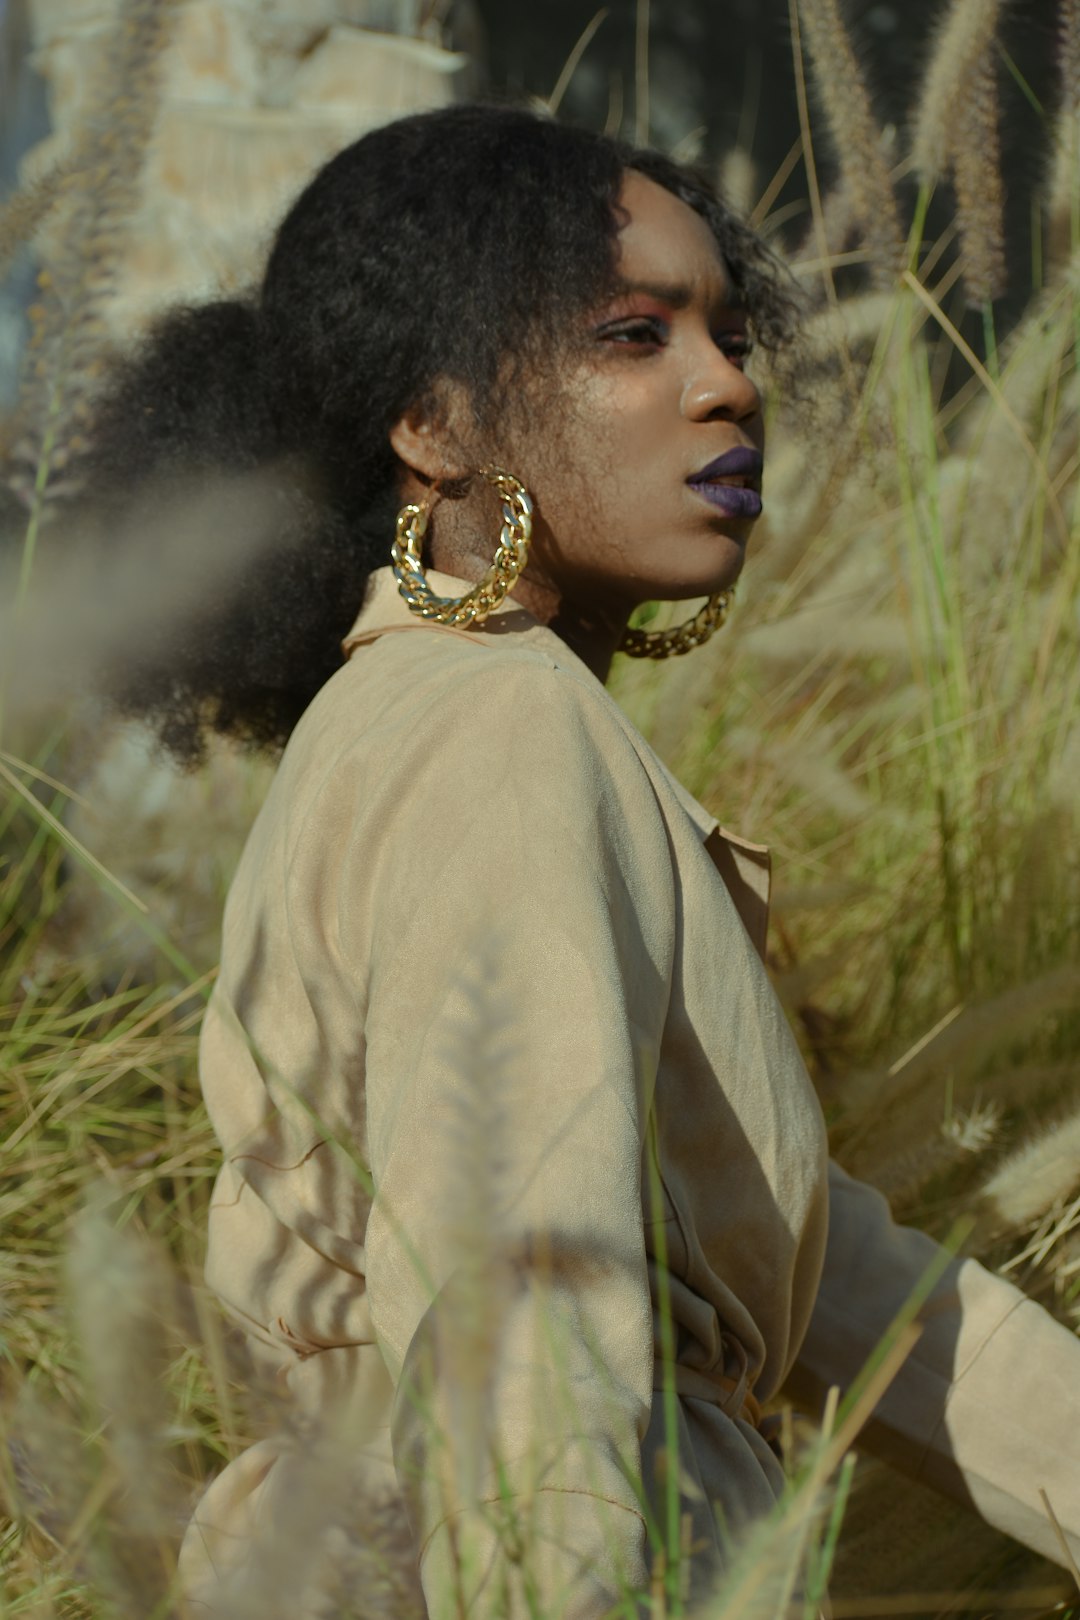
[[485, 956], [987, 1408]]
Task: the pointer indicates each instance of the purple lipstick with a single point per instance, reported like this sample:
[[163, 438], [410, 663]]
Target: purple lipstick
[[732, 482]]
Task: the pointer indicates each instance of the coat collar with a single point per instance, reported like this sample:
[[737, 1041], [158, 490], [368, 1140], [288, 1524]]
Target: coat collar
[[744, 867], [385, 609]]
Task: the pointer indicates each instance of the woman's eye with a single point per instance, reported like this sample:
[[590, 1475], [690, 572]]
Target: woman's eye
[[651, 332], [642, 330], [737, 349]]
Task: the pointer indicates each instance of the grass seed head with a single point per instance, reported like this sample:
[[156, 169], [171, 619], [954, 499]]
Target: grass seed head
[[980, 192], [95, 196], [1063, 182], [857, 138], [964, 40], [1037, 1177]]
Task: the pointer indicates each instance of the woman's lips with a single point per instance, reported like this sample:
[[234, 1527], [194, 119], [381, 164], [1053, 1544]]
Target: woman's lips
[[730, 498]]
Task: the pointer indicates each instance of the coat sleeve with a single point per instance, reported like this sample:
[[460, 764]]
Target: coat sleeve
[[520, 965], [986, 1408]]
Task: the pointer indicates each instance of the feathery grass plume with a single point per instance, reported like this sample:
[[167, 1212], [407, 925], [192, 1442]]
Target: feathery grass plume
[[975, 1129], [980, 191], [1063, 190], [956, 129], [126, 812], [856, 137], [906, 1175], [23, 211], [44, 1467], [965, 39], [99, 195], [839, 227], [912, 1176], [470, 1315], [1039, 1175], [1035, 358], [907, 1097], [858, 321], [737, 180], [120, 1294], [770, 1574], [329, 1539], [127, 584]]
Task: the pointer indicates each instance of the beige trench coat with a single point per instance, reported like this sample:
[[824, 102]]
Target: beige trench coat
[[487, 960]]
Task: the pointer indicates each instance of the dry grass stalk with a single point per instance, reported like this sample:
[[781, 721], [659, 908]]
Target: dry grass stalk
[[856, 137], [1063, 189], [570, 66], [837, 229], [99, 195], [1034, 358]]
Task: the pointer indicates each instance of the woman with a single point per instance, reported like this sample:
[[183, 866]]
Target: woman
[[524, 1178]]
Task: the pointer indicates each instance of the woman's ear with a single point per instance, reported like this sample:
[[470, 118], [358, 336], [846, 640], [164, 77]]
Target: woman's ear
[[423, 440]]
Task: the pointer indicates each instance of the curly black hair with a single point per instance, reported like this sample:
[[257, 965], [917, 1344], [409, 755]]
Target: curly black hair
[[436, 246]]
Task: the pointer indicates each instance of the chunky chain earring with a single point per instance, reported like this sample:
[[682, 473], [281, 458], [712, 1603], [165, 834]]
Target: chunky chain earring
[[681, 638], [485, 597]]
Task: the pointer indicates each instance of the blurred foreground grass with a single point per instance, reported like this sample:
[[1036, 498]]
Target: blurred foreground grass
[[894, 707]]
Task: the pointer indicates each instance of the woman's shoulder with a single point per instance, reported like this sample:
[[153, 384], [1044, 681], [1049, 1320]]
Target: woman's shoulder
[[417, 722], [422, 686]]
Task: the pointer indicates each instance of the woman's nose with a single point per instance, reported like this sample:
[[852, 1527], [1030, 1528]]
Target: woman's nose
[[719, 390]]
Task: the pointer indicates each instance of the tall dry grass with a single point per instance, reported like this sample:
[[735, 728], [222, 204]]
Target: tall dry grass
[[93, 189], [865, 190], [895, 706], [956, 133]]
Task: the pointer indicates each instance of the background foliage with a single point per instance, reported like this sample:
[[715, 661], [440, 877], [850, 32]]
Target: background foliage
[[895, 707]]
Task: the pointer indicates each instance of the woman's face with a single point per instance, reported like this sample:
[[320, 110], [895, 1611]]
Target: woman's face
[[658, 395], [654, 394]]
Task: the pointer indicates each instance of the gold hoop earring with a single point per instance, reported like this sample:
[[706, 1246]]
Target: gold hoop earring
[[681, 638], [488, 594]]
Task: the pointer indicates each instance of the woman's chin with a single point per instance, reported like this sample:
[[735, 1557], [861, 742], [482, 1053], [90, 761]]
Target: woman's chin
[[719, 564]]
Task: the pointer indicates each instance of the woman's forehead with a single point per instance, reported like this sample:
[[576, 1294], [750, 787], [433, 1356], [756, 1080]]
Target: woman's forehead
[[662, 242]]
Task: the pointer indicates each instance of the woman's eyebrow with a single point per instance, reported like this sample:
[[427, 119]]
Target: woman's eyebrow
[[676, 294]]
